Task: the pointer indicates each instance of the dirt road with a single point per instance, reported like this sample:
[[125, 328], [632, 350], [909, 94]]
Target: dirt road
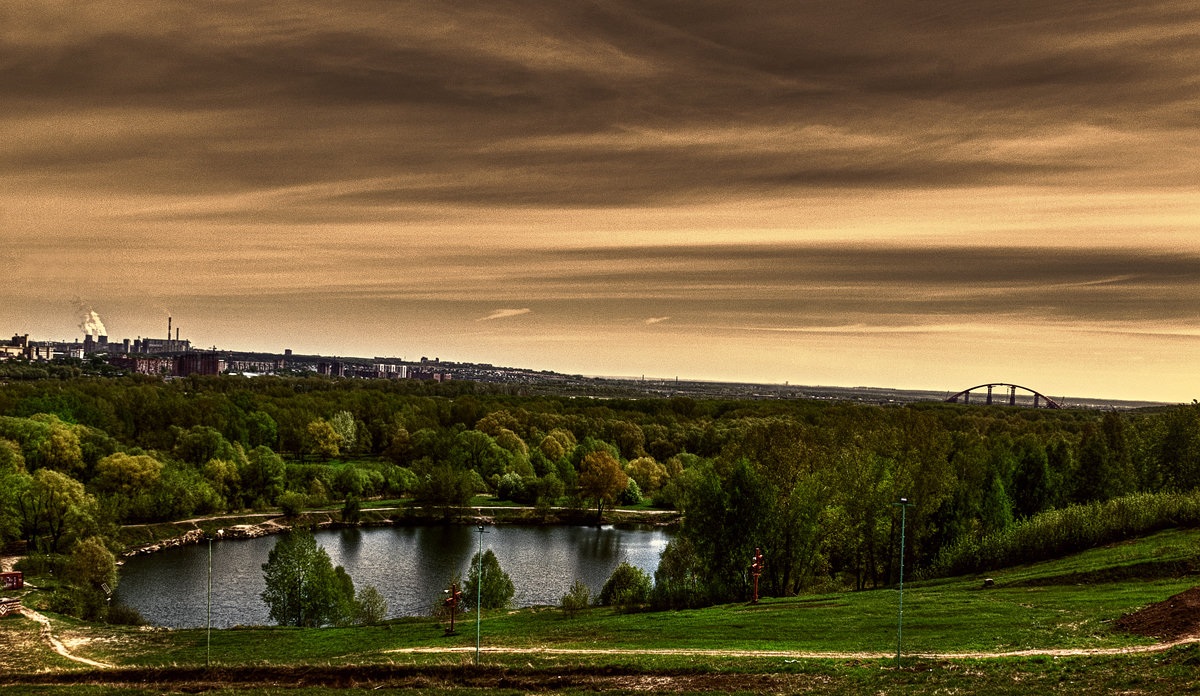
[[47, 633], [796, 655]]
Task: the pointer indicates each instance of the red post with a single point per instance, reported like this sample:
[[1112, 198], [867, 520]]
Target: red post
[[452, 602], [756, 569]]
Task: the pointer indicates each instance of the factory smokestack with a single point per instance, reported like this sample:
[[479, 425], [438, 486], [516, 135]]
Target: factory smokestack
[[176, 333], [168, 328]]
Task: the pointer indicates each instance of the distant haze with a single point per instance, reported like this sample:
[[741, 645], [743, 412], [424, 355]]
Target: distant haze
[[915, 194]]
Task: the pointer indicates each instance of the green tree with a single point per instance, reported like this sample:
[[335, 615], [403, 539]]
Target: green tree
[[601, 479], [291, 503], [628, 586], [649, 474], [576, 599], [323, 440], [724, 521], [496, 589], [552, 448], [61, 451], [343, 424], [52, 509], [371, 605], [478, 451], [126, 474], [303, 588], [446, 486], [11, 459], [262, 476], [351, 509], [92, 564], [261, 429]]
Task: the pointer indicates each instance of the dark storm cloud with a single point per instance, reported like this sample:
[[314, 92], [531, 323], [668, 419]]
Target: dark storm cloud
[[543, 104]]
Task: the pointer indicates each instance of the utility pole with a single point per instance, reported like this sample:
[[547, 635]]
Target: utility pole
[[208, 641], [478, 593], [903, 505]]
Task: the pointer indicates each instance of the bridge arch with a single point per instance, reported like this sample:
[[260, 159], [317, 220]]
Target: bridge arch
[[1039, 400]]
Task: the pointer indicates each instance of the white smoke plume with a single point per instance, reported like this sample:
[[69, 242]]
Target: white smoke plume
[[91, 325]]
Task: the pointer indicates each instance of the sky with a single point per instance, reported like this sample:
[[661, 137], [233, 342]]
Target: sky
[[912, 194]]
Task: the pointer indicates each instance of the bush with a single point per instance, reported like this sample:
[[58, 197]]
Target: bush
[[291, 503], [628, 586], [42, 565], [372, 607], [632, 495], [1056, 533], [124, 616], [91, 565], [82, 603], [576, 599]]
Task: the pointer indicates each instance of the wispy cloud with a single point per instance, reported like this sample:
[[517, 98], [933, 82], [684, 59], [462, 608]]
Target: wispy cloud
[[505, 313], [615, 162]]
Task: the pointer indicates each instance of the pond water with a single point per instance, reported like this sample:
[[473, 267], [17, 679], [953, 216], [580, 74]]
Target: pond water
[[410, 566]]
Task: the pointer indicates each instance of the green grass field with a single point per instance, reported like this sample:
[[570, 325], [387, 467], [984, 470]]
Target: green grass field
[[1069, 603]]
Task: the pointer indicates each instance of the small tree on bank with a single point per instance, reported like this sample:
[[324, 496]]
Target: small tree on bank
[[303, 587], [497, 588], [372, 608], [601, 479], [628, 586], [576, 599]]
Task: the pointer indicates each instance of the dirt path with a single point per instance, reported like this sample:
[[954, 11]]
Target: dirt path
[[791, 654], [54, 643]]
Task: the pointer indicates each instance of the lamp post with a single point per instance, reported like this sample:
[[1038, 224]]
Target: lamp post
[[478, 592], [208, 623], [903, 505]]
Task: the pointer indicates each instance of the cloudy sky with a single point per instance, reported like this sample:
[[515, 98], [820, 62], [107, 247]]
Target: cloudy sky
[[911, 193]]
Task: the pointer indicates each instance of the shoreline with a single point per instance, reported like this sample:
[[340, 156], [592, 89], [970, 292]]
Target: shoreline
[[196, 531]]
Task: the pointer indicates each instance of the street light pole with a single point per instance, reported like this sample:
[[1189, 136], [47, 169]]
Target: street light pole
[[478, 592], [903, 505], [208, 639]]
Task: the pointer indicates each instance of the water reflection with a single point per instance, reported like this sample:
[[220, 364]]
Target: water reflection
[[408, 565]]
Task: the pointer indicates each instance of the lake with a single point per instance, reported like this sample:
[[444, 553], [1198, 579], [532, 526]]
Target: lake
[[410, 566]]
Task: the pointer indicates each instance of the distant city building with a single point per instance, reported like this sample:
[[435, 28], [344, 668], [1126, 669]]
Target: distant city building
[[145, 364], [160, 345], [198, 364]]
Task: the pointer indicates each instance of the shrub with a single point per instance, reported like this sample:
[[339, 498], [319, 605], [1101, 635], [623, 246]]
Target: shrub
[[628, 586], [632, 495], [1055, 533], [82, 603], [124, 616], [372, 607], [291, 503], [576, 599]]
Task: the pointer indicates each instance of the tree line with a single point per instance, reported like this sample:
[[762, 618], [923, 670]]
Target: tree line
[[809, 482]]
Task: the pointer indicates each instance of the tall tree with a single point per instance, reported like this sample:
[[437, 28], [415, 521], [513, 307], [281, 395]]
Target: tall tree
[[601, 479], [303, 587], [494, 588]]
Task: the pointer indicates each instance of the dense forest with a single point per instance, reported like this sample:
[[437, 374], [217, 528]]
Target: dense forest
[[814, 484]]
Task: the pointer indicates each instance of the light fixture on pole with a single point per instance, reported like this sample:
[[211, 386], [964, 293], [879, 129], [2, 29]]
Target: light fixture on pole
[[903, 505], [478, 592]]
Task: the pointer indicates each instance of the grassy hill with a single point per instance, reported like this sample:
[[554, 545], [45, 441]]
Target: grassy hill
[[952, 630]]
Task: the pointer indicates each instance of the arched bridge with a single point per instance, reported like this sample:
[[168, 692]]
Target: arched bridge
[[1010, 399]]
